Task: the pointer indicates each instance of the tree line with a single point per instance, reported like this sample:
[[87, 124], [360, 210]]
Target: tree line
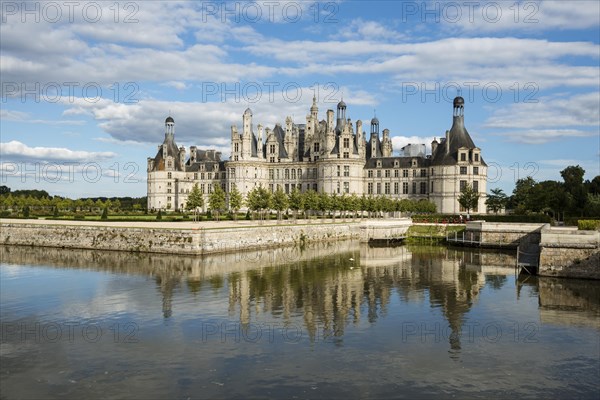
[[573, 197], [261, 201], [41, 201]]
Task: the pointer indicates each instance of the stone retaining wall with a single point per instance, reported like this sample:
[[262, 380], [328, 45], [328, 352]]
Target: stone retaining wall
[[570, 253], [192, 241]]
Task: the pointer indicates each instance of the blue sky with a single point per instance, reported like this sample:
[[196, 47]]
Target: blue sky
[[86, 87]]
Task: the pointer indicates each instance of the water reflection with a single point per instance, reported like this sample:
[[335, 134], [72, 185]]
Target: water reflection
[[363, 300], [329, 286]]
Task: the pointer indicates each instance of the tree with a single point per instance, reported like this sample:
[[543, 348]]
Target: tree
[[4, 190], [104, 215], [296, 201], [159, 215], [235, 200], [26, 211], [259, 199], [311, 201], [496, 200], [195, 200], [324, 202], [468, 198], [573, 178], [280, 202], [520, 194], [216, 201]]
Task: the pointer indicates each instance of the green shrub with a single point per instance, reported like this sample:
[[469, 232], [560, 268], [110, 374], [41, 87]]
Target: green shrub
[[588, 224], [159, 215], [104, 215]]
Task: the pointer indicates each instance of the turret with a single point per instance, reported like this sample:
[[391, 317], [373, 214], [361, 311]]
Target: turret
[[259, 141], [341, 115], [181, 157], [434, 145], [193, 150]]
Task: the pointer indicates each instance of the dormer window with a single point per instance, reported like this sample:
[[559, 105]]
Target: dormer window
[[476, 157], [463, 156], [378, 164], [414, 163]]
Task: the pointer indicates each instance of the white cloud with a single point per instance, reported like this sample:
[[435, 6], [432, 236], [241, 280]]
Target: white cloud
[[400, 141], [207, 124], [19, 116], [529, 16], [16, 150], [550, 112], [539, 136]]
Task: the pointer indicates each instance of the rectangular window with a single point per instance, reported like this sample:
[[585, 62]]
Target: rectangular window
[[271, 187], [463, 157], [287, 174], [378, 187], [379, 173], [476, 157], [370, 188], [414, 173], [278, 173], [315, 187], [272, 149], [338, 187], [396, 187], [202, 188], [339, 170], [346, 154], [414, 187], [271, 174], [431, 191], [210, 188], [316, 147], [396, 173], [209, 175], [299, 173], [463, 185], [195, 175], [169, 175], [370, 173], [423, 187], [346, 142], [346, 170], [423, 173], [476, 186], [387, 188], [293, 173], [475, 170], [405, 173], [463, 170], [346, 187], [387, 173], [287, 188], [404, 187]]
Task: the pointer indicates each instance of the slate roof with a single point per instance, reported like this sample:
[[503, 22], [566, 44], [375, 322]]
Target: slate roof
[[459, 137], [172, 150]]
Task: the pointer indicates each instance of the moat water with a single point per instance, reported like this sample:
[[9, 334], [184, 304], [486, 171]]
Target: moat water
[[342, 320]]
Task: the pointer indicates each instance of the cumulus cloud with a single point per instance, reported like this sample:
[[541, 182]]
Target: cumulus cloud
[[15, 150], [20, 116]]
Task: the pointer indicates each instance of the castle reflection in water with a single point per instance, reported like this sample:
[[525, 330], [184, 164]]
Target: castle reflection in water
[[327, 286]]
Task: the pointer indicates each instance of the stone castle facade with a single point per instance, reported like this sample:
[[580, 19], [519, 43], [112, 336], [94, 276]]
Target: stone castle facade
[[330, 155]]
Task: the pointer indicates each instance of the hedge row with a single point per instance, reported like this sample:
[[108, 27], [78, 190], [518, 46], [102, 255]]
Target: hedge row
[[588, 224]]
